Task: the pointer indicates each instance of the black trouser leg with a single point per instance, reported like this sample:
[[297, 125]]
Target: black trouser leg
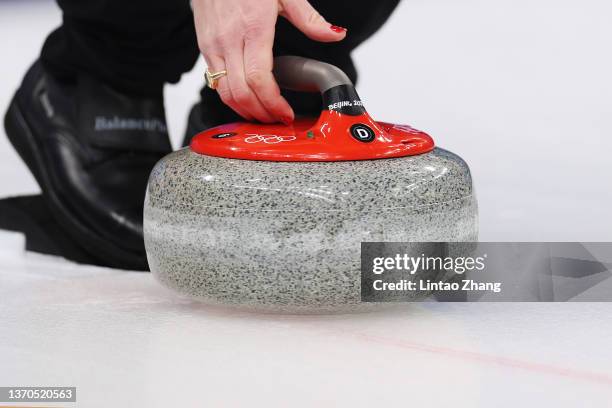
[[138, 45], [135, 46]]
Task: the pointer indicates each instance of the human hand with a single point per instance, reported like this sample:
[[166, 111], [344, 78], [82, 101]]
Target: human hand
[[238, 35]]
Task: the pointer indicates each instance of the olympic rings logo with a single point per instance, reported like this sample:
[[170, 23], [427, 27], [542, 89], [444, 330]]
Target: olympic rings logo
[[268, 139]]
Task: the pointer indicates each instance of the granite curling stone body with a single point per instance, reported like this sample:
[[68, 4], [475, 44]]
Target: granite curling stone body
[[271, 217]]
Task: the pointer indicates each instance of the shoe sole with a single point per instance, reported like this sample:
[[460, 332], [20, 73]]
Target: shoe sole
[[25, 143]]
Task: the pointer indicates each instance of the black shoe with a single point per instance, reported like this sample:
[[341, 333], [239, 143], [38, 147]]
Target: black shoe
[[30, 216], [91, 150]]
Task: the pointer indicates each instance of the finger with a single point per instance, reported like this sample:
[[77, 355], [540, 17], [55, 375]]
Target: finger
[[215, 64], [308, 20], [242, 94], [258, 63]]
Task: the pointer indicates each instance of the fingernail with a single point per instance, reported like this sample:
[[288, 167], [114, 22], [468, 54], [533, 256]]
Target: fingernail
[[337, 29], [287, 120]]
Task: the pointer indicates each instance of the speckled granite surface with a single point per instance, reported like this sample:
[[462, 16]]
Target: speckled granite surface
[[286, 236]]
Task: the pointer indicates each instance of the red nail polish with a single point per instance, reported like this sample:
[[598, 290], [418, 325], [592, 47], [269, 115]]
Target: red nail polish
[[338, 29]]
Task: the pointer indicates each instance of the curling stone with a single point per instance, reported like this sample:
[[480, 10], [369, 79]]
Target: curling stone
[[271, 217]]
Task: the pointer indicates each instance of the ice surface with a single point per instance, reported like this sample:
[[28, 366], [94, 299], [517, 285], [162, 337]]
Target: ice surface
[[520, 89], [12, 243], [123, 340]]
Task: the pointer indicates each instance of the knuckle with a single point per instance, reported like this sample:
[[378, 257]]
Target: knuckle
[[206, 40], [255, 78], [254, 30], [225, 95], [272, 99], [314, 18], [271, 102], [204, 45], [228, 37], [241, 96], [224, 42]]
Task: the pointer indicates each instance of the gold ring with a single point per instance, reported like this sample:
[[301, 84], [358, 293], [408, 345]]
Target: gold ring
[[212, 78]]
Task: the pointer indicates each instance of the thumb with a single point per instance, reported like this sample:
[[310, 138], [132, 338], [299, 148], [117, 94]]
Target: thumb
[[308, 20]]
